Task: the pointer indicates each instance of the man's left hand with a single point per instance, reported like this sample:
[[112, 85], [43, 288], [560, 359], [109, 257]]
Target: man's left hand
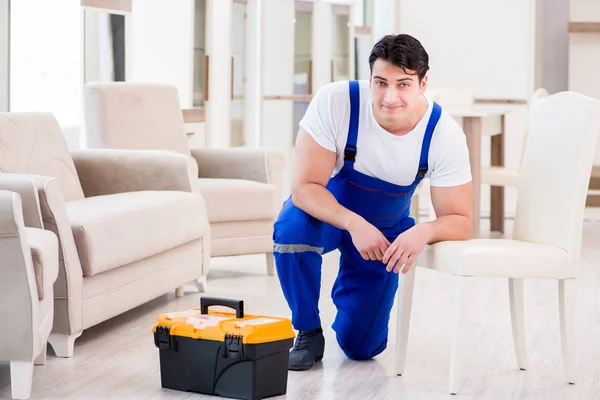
[[405, 249]]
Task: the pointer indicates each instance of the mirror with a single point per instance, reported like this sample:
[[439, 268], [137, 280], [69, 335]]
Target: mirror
[[4, 55], [104, 46]]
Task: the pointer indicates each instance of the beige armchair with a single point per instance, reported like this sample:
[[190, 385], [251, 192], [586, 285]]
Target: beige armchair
[[129, 226], [29, 267], [242, 187]]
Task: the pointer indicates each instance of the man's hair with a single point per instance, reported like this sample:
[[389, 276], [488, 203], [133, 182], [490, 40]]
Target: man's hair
[[403, 51]]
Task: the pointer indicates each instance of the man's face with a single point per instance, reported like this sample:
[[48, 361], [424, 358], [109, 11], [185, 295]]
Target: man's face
[[395, 92]]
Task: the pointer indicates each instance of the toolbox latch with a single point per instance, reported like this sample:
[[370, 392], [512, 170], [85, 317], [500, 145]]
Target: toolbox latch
[[163, 339], [233, 346]]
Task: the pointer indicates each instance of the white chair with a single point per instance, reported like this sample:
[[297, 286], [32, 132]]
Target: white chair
[[503, 176], [547, 231]]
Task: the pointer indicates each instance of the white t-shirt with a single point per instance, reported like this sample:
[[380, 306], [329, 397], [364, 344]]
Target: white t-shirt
[[380, 154]]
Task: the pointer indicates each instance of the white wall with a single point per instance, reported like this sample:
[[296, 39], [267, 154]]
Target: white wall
[[472, 45], [584, 53], [4, 53], [160, 44], [46, 63], [585, 10]]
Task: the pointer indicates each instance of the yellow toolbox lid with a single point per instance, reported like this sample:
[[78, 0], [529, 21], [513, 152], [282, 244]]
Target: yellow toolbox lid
[[200, 323]]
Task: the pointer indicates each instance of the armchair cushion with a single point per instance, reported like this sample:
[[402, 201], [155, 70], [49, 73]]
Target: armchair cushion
[[43, 245], [239, 200], [118, 229], [110, 171]]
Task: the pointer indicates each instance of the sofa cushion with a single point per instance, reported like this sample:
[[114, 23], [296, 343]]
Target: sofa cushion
[[114, 230], [238, 199]]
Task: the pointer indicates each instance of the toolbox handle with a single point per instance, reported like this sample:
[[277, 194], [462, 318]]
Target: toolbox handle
[[237, 305]]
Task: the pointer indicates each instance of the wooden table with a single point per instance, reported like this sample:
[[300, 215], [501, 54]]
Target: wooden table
[[478, 122]]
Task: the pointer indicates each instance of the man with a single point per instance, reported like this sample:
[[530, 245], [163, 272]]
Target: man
[[362, 150]]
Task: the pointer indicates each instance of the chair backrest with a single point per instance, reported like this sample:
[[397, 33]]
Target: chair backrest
[[128, 115], [556, 170], [533, 100], [33, 143]]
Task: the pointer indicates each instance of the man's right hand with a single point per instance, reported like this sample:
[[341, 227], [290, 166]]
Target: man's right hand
[[368, 240]]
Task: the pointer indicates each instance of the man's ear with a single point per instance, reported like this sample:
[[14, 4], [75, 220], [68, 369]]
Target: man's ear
[[423, 87]]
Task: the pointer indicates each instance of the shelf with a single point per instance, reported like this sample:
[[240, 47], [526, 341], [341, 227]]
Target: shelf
[[584, 27]]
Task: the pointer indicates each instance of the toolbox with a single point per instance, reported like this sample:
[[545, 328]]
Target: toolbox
[[223, 353]]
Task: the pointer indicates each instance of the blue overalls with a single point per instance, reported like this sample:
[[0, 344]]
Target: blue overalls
[[363, 291]]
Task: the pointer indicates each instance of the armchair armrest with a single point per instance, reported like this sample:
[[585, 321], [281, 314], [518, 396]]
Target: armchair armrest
[[11, 216], [255, 164], [68, 288], [30, 200], [110, 171], [18, 293]]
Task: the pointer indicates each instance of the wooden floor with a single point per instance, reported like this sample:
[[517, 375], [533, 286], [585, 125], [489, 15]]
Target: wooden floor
[[118, 360]]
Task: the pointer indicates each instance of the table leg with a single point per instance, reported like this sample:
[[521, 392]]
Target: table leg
[[473, 130], [497, 192]]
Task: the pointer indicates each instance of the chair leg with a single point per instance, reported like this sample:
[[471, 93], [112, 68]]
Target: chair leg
[[270, 264], [41, 358], [517, 314], [21, 378], [63, 345], [566, 302], [202, 284], [459, 329], [179, 291], [404, 305]]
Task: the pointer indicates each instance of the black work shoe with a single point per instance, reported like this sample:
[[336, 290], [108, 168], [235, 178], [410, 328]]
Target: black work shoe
[[308, 350]]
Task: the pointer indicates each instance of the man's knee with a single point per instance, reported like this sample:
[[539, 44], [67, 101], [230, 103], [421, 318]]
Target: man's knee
[[358, 347], [297, 232]]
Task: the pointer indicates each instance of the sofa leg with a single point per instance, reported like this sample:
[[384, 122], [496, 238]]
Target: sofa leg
[[179, 291], [21, 378], [63, 345], [270, 264], [202, 284], [41, 358]]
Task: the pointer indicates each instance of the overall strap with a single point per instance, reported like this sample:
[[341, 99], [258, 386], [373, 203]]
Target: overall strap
[[350, 149], [433, 120]]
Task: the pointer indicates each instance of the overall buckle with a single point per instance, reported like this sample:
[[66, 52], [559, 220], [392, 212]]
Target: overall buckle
[[422, 171], [350, 154]]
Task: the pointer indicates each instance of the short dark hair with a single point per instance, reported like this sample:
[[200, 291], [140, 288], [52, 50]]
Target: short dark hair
[[403, 51]]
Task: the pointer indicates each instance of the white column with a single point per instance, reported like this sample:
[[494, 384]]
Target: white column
[[252, 90], [4, 54], [322, 54], [277, 68], [165, 54], [218, 47], [385, 18]]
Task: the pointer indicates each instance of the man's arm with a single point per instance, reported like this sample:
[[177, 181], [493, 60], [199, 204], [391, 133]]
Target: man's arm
[[313, 168], [453, 207], [454, 210]]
